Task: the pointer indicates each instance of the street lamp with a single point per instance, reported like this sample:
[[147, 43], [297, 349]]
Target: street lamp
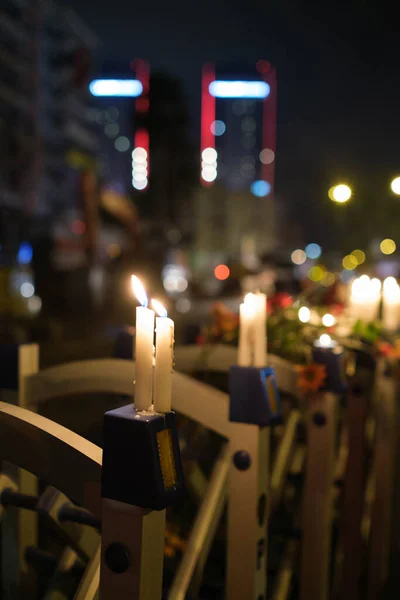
[[341, 193], [395, 186]]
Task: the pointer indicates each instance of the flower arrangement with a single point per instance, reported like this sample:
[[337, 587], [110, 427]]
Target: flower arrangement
[[292, 339]]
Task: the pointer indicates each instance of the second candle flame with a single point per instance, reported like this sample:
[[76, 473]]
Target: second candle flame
[[159, 308], [139, 291]]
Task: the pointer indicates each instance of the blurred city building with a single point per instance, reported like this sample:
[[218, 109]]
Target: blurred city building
[[235, 209], [47, 142], [47, 137], [116, 93], [164, 173], [147, 155]]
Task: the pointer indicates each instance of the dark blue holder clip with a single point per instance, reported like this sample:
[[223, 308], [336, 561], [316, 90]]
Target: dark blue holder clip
[[9, 360], [141, 458], [254, 396], [335, 365]]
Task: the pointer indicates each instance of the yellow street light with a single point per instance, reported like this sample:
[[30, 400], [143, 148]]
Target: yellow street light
[[395, 186], [388, 246], [340, 193]]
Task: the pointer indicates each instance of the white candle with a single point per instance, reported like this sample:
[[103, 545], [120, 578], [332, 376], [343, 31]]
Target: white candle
[[260, 331], [144, 340], [391, 304], [164, 359], [365, 298], [246, 314]]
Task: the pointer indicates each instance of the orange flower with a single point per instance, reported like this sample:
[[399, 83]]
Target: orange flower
[[173, 542], [169, 551], [311, 377]]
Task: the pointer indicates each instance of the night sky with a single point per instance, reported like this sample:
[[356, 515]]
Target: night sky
[[338, 80]]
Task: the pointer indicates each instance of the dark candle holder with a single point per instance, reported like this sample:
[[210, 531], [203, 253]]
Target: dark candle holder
[[254, 396], [141, 458], [333, 359]]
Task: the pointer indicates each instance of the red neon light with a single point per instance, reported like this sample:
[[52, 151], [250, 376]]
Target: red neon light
[[207, 138], [142, 139], [142, 70], [269, 125], [263, 66]]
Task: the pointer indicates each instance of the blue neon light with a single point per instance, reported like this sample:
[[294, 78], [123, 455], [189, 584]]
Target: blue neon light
[[260, 188], [25, 253], [239, 89], [313, 250], [125, 88]]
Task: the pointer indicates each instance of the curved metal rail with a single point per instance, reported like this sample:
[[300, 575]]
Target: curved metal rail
[[194, 399], [56, 455]]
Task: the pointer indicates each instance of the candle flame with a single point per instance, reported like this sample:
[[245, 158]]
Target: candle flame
[[250, 303], [389, 282], [139, 291], [365, 289], [391, 290], [376, 285], [159, 308]]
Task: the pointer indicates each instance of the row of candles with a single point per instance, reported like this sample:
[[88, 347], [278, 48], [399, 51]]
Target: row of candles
[[154, 365], [366, 298]]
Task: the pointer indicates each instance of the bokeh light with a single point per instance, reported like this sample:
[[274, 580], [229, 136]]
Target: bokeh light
[[263, 66], [350, 262], [316, 273], [218, 128], [304, 314], [260, 188], [299, 257], [239, 89], [359, 255], [328, 320], [25, 253], [34, 304], [122, 144], [111, 130], [267, 156], [387, 246], [78, 227], [139, 154], [340, 193], [395, 186], [209, 155], [27, 289], [140, 185], [325, 340], [328, 279], [183, 305], [222, 272], [313, 250], [125, 88], [209, 173]]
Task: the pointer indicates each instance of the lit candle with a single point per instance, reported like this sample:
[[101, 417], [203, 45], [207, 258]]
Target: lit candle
[[391, 304], [164, 359], [365, 298], [246, 318], [144, 340], [260, 331]]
